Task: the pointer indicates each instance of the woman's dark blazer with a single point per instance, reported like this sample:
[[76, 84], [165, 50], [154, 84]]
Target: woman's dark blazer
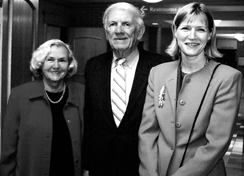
[[109, 150], [27, 129]]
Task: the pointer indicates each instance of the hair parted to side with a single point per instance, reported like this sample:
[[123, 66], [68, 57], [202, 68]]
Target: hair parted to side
[[191, 10], [40, 54], [138, 17]]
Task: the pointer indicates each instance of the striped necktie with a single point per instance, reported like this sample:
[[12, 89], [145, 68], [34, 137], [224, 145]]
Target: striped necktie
[[118, 95]]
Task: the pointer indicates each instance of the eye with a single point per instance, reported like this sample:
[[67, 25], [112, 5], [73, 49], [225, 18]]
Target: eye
[[112, 24], [185, 28], [63, 60], [50, 59], [127, 24], [201, 30]]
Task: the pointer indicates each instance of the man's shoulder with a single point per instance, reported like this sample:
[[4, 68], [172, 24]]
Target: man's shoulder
[[154, 57], [102, 56], [99, 60]]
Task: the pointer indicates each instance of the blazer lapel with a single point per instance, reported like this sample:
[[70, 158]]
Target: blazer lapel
[[139, 83], [171, 84], [103, 79]]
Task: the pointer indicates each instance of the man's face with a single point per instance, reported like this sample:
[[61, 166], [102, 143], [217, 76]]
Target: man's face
[[121, 30]]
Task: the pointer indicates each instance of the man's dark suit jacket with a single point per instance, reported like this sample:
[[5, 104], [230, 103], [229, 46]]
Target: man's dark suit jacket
[[110, 150]]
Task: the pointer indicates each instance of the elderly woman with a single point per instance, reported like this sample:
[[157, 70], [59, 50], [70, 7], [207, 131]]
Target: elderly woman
[[42, 128], [191, 103]]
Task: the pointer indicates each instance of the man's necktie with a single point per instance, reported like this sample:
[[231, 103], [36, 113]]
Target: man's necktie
[[118, 95]]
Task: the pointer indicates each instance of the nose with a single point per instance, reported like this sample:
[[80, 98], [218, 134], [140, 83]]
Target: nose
[[192, 34], [56, 64], [119, 29]]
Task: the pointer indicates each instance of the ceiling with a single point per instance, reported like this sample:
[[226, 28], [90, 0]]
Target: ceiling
[[228, 13], [163, 1]]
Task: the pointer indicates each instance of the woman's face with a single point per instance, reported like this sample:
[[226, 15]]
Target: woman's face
[[56, 64], [192, 36]]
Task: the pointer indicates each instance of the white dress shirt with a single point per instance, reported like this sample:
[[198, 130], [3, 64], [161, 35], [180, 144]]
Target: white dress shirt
[[130, 68]]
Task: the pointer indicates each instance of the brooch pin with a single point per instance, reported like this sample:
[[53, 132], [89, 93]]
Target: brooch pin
[[161, 98]]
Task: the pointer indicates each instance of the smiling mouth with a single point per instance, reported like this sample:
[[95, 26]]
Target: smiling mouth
[[192, 44], [120, 38], [56, 73]]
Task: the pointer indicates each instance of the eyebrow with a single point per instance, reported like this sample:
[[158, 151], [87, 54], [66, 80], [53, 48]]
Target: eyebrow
[[193, 25], [58, 58]]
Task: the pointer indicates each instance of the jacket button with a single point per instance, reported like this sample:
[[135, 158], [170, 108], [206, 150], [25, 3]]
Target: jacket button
[[182, 102], [178, 125], [69, 121], [76, 161], [74, 141]]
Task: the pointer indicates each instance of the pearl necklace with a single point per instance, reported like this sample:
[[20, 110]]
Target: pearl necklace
[[55, 102]]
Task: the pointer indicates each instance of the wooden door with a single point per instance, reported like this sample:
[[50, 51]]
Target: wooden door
[[87, 43], [84, 49], [19, 34], [23, 40]]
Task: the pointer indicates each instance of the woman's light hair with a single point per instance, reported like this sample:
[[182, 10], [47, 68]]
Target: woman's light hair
[[40, 54], [138, 17], [189, 11]]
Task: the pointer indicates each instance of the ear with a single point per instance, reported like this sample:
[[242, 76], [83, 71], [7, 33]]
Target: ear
[[106, 34], [140, 33], [210, 36], [71, 66], [175, 32]]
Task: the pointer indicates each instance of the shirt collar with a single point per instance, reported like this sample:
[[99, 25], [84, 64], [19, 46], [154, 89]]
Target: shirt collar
[[130, 59]]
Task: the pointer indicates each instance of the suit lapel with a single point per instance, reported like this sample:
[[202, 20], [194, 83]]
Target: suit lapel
[[104, 75], [139, 83], [103, 83]]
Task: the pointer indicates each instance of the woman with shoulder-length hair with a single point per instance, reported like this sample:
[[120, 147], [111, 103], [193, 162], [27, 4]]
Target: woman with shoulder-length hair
[[191, 103], [43, 125]]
